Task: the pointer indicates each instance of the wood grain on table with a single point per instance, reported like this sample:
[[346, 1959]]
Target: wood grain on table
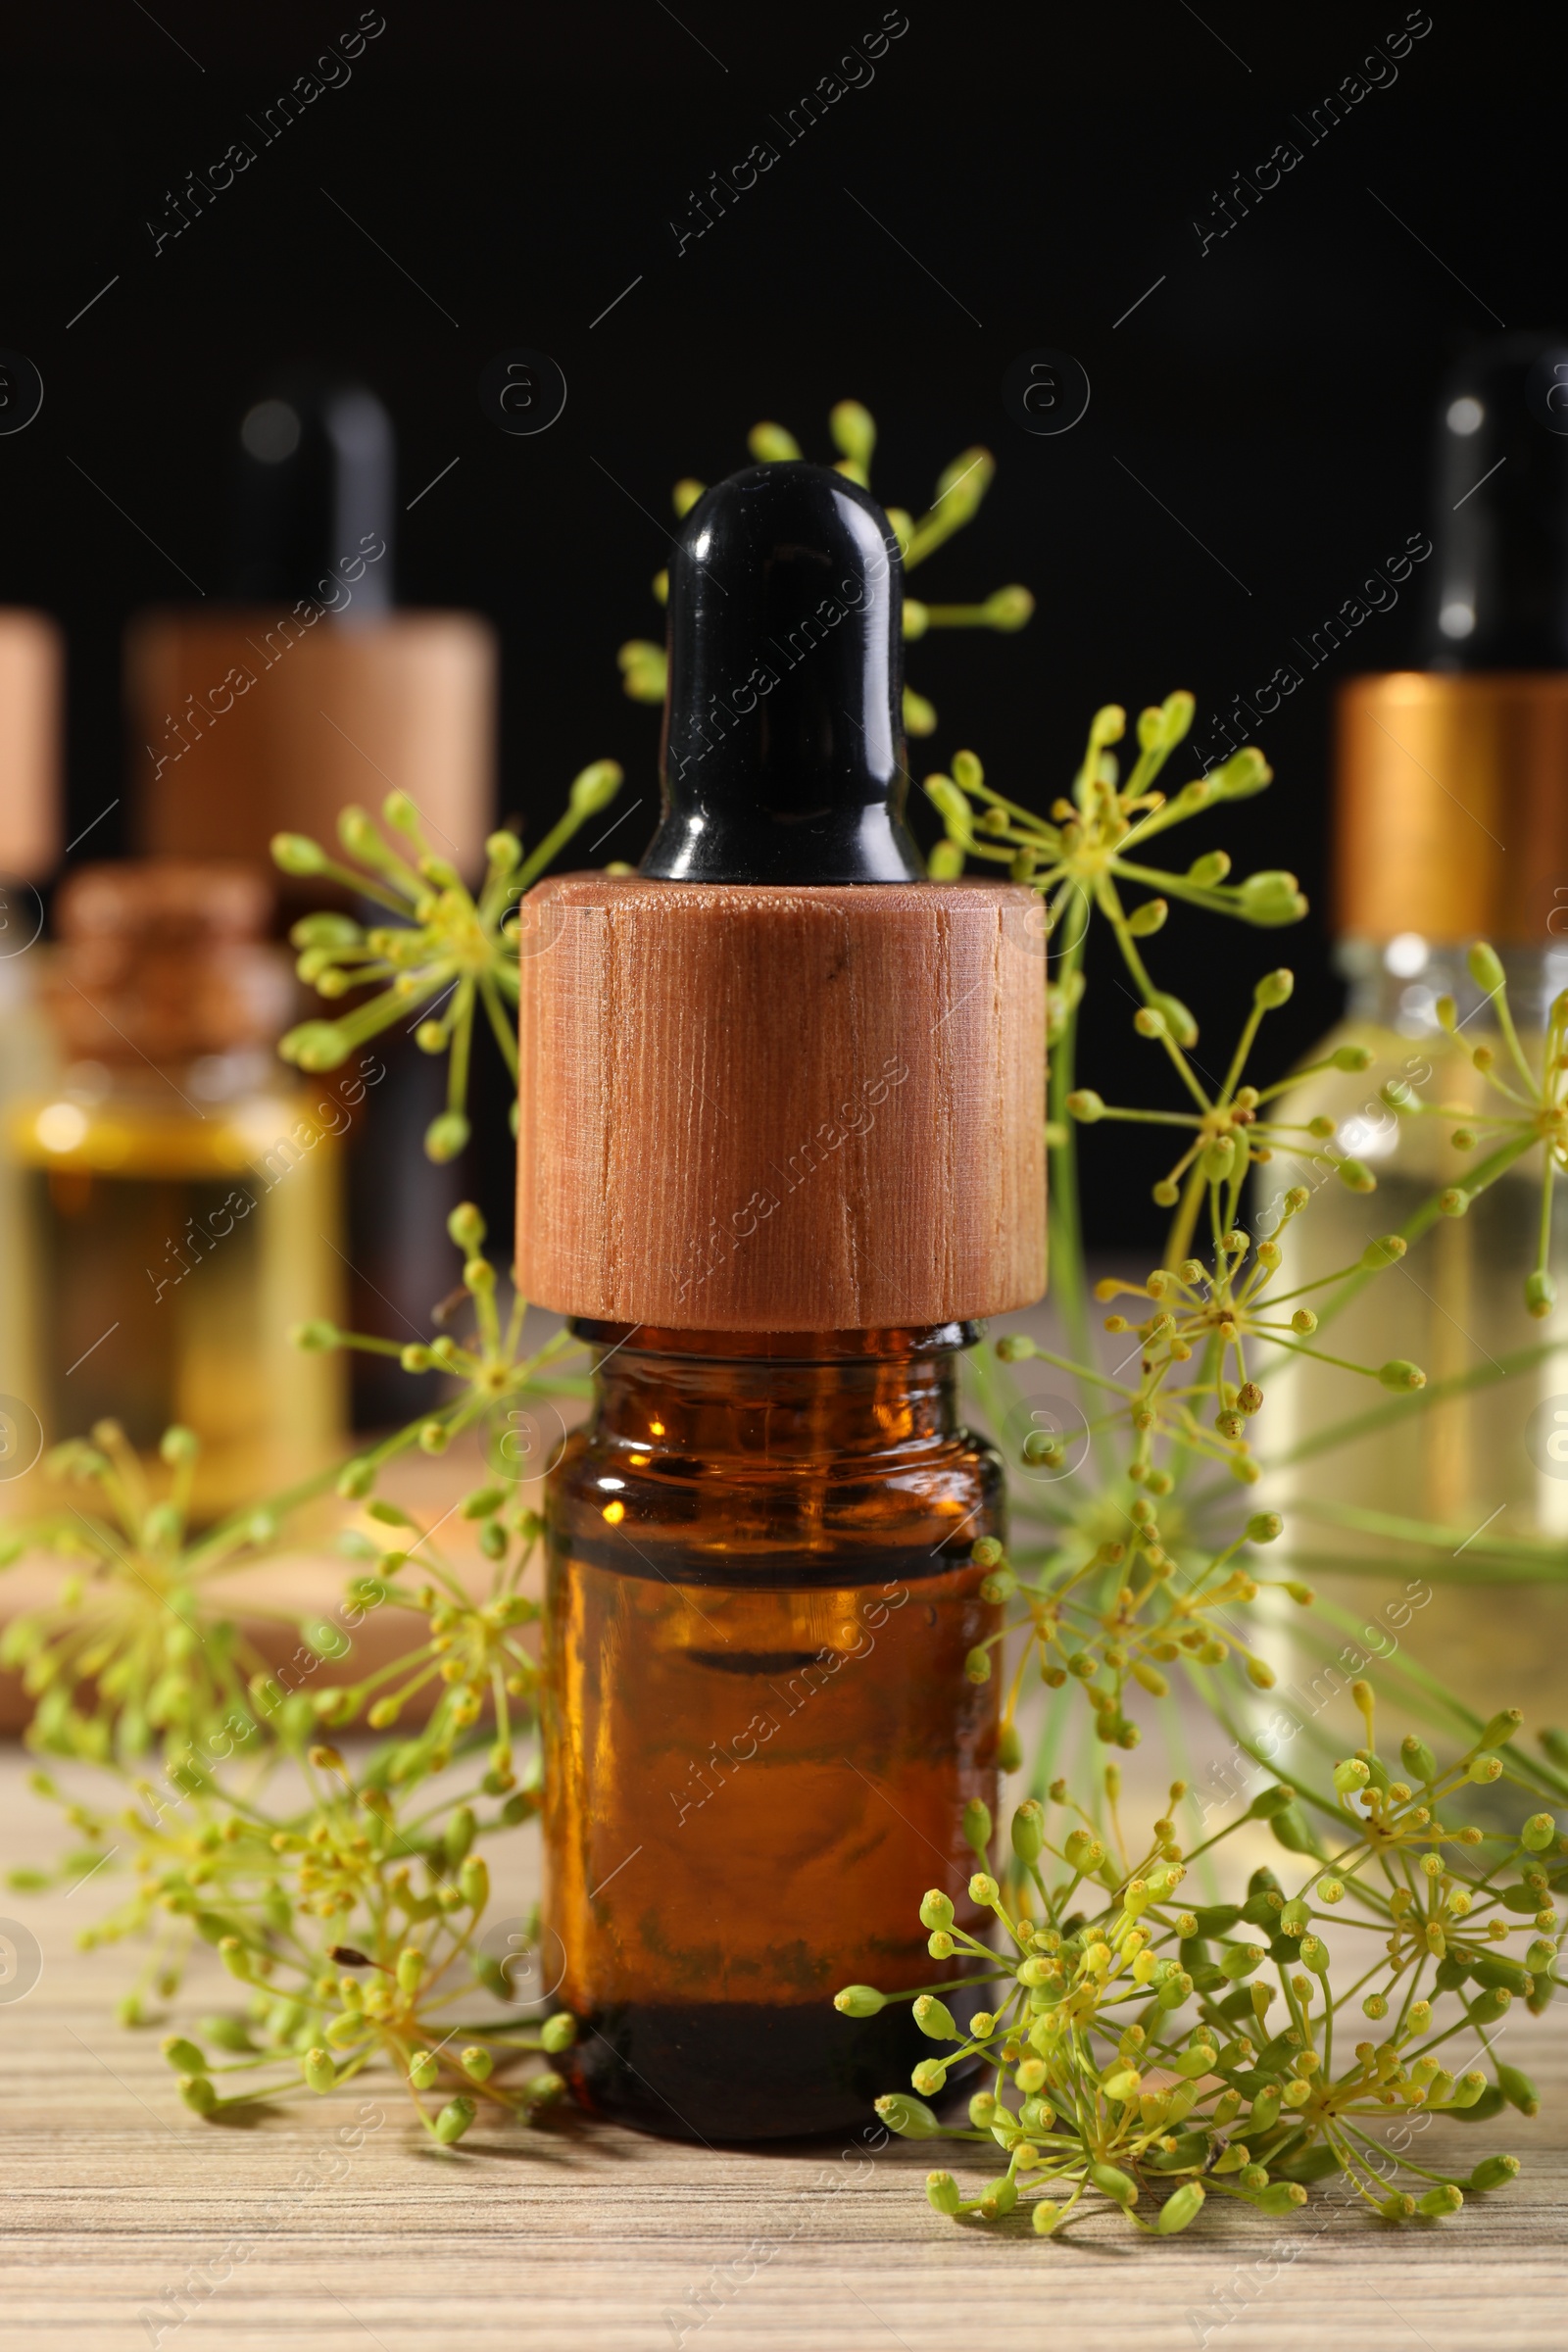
[[331, 2223]]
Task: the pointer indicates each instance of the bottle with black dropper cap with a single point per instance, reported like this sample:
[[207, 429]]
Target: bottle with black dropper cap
[[1451, 825], [780, 1147], [305, 691]]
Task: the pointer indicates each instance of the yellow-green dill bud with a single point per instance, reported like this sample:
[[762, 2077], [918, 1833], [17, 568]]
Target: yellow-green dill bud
[[1198, 2061], [1114, 2183], [1150, 917], [1518, 2089], [1181, 2209], [477, 2062], [297, 853], [1349, 1774], [772, 444], [235, 1957], [1356, 1176], [318, 2070], [977, 1837], [446, 1136], [453, 2120], [1538, 1833], [1260, 1674], [182, 2055], [1495, 2172], [942, 2191], [1085, 1105], [1352, 1057], [1029, 1831], [1399, 1373], [423, 2070], [936, 1909], [1274, 989], [198, 2094], [1446, 2198], [410, 1969], [1009, 1748], [860, 2000], [928, 2078], [473, 1882], [558, 2033], [1486, 967], [1484, 1769], [1269, 900], [977, 1665], [1501, 1728], [1468, 2089], [1541, 1296], [933, 2017], [1419, 1757], [595, 787]]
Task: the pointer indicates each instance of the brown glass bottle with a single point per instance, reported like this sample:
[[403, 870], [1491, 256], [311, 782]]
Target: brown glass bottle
[[759, 1734]]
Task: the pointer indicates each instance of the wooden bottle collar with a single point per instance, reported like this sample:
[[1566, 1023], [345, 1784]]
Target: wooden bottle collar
[[775, 1107]]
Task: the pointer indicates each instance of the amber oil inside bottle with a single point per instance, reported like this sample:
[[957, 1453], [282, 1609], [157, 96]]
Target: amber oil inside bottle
[[759, 1735]]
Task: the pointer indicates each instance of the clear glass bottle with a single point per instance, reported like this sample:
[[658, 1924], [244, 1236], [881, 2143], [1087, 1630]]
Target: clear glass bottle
[[171, 1204], [1475, 1462], [759, 1734]]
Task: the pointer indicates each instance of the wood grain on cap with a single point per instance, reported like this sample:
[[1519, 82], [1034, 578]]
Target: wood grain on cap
[[760, 1108]]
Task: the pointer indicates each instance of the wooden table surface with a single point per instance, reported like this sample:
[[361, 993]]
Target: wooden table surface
[[130, 2222]]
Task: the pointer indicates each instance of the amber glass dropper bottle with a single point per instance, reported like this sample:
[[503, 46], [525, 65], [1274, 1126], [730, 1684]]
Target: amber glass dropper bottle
[[781, 1145]]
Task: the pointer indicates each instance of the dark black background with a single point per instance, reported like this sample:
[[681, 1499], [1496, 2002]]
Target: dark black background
[[1045, 165]]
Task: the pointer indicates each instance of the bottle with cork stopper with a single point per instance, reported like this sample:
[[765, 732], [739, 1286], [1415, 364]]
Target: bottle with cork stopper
[[781, 1148], [172, 1198], [306, 690], [1451, 828]]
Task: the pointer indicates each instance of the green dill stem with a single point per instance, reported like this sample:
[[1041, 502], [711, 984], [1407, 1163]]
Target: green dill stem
[[1179, 1241], [502, 1027], [461, 1039], [1364, 1424], [560, 832], [1067, 1253]]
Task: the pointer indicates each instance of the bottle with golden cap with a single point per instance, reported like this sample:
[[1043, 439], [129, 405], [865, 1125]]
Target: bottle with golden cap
[[781, 1148], [172, 1198], [1453, 828]]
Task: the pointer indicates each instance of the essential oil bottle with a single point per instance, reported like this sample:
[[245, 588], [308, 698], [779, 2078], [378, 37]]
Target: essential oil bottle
[[172, 1206], [782, 1144], [305, 688], [1451, 827]]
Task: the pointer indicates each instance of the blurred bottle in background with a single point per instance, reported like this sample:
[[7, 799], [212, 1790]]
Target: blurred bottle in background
[[270, 713], [173, 1201], [1452, 827], [31, 683]]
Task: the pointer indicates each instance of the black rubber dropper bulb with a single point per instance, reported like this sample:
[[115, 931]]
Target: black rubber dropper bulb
[[783, 753], [1502, 530], [314, 493]]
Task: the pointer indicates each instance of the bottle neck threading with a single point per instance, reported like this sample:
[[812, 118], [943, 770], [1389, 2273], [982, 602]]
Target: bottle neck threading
[[801, 1396]]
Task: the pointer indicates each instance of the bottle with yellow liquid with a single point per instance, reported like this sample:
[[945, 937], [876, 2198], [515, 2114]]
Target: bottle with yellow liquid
[[1453, 829], [173, 1207]]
